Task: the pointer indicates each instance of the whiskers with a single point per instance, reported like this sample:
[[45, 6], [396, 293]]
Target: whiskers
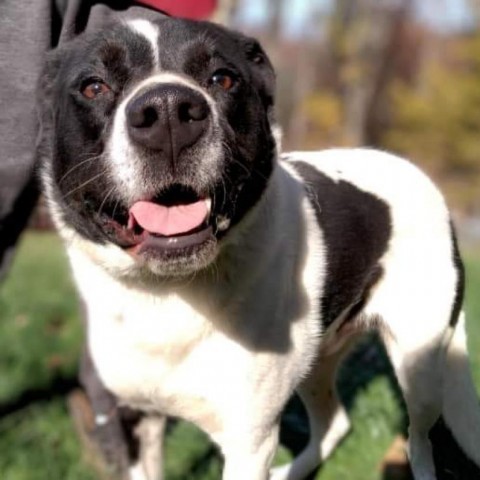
[[77, 166], [75, 169], [104, 201], [84, 184], [231, 157]]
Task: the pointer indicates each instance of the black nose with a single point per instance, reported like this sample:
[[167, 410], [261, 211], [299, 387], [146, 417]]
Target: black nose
[[167, 118]]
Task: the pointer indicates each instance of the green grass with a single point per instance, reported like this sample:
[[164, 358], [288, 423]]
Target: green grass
[[40, 337], [40, 332], [39, 443]]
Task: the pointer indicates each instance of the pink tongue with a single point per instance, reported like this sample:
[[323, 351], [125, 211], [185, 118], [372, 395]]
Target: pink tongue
[[168, 221]]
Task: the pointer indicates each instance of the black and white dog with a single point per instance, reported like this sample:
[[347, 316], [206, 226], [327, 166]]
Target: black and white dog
[[219, 275]]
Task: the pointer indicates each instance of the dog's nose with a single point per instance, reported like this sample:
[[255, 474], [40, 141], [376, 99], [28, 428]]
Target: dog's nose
[[168, 117]]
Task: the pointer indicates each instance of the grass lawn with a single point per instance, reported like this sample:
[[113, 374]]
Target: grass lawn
[[40, 336]]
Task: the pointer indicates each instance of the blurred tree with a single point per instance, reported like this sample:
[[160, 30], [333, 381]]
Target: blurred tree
[[369, 72], [436, 121], [345, 77], [362, 36], [276, 9], [475, 7]]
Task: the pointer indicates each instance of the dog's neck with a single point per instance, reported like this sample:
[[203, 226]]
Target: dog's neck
[[264, 230]]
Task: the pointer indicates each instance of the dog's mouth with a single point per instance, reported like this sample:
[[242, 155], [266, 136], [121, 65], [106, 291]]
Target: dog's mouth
[[176, 219]]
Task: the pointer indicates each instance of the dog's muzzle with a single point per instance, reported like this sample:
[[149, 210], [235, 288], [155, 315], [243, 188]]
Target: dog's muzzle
[[166, 124]]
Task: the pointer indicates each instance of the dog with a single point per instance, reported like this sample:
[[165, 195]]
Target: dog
[[220, 275]]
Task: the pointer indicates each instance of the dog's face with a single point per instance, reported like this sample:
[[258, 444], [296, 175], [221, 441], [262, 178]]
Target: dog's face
[[156, 139]]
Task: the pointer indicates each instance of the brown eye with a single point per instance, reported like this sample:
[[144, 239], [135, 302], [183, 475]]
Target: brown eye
[[94, 88], [223, 79]]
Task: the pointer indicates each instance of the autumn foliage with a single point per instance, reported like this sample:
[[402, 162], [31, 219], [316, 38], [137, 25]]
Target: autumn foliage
[[370, 73]]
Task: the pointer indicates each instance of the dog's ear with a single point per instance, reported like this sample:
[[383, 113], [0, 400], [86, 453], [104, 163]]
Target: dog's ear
[[263, 74]]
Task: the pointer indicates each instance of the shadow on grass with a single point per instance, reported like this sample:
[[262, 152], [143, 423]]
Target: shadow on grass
[[367, 361], [58, 387]]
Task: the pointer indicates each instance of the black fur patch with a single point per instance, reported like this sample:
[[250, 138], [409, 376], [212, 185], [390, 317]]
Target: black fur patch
[[356, 227], [73, 129], [460, 286]]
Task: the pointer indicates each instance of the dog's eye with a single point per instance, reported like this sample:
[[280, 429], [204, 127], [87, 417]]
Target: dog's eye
[[224, 79], [93, 88]]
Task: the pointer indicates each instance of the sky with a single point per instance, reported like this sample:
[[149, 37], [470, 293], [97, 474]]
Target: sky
[[444, 15]]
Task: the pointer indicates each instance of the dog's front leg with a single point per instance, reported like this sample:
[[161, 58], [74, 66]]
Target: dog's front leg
[[108, 433], [249, 453]]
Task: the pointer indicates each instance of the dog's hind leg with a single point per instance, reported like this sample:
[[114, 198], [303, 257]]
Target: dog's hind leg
[[419, 376], [460, 404], [434, 376], [327, 417], [416, 306], [149, 432]]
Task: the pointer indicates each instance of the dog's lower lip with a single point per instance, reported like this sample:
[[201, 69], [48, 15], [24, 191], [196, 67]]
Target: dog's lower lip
[[151, 243]]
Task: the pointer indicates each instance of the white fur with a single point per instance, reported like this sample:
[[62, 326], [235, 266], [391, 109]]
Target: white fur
[[203, 350], [149, 31], [175, 351]]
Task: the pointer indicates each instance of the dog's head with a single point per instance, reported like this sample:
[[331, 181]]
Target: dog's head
[[156, 140]]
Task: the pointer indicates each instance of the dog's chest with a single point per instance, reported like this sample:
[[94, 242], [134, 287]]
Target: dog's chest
[[163, 355]]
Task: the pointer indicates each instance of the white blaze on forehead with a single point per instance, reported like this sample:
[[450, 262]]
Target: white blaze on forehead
[[150, 32]]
